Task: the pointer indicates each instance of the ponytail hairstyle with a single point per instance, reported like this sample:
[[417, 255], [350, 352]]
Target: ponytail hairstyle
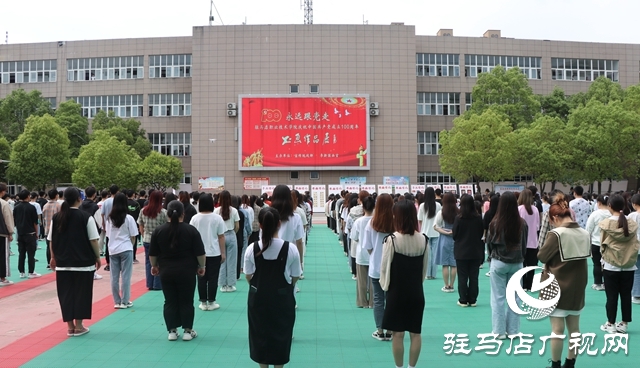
[[617, 203], [245, 201], [252, 200], [225, 202], [175, 209], [71, 196], [603, 199], [119, 211], [368, 204], [269, 219]]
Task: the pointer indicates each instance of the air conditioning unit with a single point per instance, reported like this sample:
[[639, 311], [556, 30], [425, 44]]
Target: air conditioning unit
[[374, 112], [231, 106], [231, 113], [373, 105]]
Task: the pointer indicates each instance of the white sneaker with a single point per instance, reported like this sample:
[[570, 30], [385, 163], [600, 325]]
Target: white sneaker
[[302, 276], [608, 327], [203, 306], [213, 306], [23, 275], [34, 275], [96, 276], [6, 282], [188, 336], [488, 274], [173, 335], [597, 287], [635, 300], [621, 327], [224, 289], [231, 289], [354, 277]]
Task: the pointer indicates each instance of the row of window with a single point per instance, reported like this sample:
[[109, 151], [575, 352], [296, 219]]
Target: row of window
[[127, 106], [448, 65], [30, 71], [106, 68], [171, 144], [438, 103], [435, 178]]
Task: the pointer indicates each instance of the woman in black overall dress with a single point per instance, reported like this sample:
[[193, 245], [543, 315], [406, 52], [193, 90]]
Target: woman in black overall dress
[[403, 270], [272, 268]]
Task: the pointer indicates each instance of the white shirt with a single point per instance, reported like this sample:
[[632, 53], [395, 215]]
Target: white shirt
[[291, 230], [427, 223], [303, 215], [210, 226], [592, 224], [38, 208], [233, 217], [372, 240], [120, 237], [582, 209], [293, 267], [362, 256]]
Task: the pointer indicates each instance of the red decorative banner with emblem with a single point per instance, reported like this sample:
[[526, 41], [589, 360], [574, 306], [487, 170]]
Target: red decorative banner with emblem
[[289, 132]]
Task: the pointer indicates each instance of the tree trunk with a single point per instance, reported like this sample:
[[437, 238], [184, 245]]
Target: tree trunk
[[477, 183], [610, 184], [599, 187], [553, 185], [591, 188], [542, 185]]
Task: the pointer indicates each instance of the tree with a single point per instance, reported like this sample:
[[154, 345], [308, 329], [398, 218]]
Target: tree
[[16, 108], [556, 104], [40, 155], [5, 155], [105, 161], [127, 130], [479, 146], [69, 116], [159, 171], [506, 92]]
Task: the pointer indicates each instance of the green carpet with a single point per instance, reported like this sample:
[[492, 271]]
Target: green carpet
[[330, 331], [41, 265]]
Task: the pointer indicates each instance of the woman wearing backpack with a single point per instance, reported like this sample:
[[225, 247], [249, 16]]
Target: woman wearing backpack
[[619, 247]]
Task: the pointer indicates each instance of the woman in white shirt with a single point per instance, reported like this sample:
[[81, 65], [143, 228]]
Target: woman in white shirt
[[426, 219], [635, 216], [601, 213], [364, 287], [212, 229], [122, 230], [291, 229], [227, 279]]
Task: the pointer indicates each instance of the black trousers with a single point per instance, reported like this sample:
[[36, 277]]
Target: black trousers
[[333, 225], [4, 257], [178, 289], [530, 259], [596, 256], [106, 249], [48, 252], [75, 294], [468, 270], [27, 245], [328, 222], [345, 243], [208, 284], [618, 284]]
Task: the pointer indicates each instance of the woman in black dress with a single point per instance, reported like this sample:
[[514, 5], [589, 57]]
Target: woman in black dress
[[272, 267], [403, 270]]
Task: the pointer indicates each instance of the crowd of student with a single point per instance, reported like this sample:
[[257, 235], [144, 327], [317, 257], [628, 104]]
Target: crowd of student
[[511, 231]]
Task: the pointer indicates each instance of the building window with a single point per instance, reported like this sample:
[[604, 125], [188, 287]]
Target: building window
[[294, 175], [294, 88], [428, 143], [438, 65], [124, 106], [435, 178], [314, 88], [170, 104], [314, 175], [583, 69], [171, 144], [531, 67], [30, 71], [106, 68], [468, 101], [525, 178], [186, 178], [437, 103], [52, 101], [169, 66]]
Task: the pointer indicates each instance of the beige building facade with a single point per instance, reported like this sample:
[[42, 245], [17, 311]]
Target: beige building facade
[[180, 87]]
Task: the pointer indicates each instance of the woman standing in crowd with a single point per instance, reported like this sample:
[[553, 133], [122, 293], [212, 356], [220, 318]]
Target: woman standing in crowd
[[402, 272], [272, 268], [122, 233], [177, 254], [291, 229], [151, 216], [298, 205], [189, 209], [468, 250], [486, 220], [531, 216], [601, 213], [635, 216], [227, 279], [212, 229], [255, 224], [565, 254], [364, 287], [444, 252], [75, 256], [247, 206], [377, 229], [618, 243], [507, 243], [168, 198], [242, 235], [426, 219], [351, 211]]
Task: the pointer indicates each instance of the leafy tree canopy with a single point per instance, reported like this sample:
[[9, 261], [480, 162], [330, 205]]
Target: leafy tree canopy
[[16, 108], [127, 130], [5, 155], [556, 104], [159, 171], [69, 116]]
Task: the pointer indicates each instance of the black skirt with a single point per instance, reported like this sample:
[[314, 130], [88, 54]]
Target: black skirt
[[75, 294]]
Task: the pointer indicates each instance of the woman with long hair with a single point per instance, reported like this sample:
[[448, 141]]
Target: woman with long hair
[[255, 224], [635, 216], [189, 209], [530, 214], [468, 250], [151, 216], [211, 228], [351, 204], [444, 252], [486, 220], [272, 268], [617, 238], [507, 243], [426, 219], [601, 213], [364, 287], [291, 229], [247, 206], [75, 256], [402, 272], [122, 230], [242, 235], [177, 254], [564, 254], [299, 208], [377, 229], [227, 279]]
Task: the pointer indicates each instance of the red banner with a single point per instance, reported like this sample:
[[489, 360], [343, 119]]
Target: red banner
[[304, 133]]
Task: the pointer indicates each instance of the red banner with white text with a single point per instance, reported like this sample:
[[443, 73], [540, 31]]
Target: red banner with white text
[[287, 132]]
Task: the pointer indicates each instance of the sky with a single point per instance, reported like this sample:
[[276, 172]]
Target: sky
[[29, 21]]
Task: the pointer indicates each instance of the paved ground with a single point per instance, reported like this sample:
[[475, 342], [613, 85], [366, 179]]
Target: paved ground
[[330, 331]]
